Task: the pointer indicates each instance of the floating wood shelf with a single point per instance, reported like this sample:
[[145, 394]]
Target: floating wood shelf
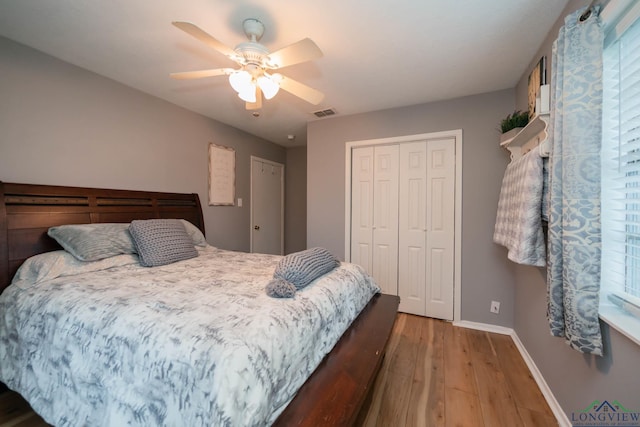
[[533, 134]]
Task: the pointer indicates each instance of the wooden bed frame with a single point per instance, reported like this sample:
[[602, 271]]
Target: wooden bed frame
[[335, 394]]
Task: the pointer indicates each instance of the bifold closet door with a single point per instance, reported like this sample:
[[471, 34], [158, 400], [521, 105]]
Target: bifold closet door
[[385, 218], [374, 213], [412, 228], [362, 207], [426, 228]]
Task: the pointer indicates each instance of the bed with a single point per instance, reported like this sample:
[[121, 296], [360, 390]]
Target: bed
[[327, 387]]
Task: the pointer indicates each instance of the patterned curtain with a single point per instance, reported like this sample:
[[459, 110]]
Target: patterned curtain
[[573, 274]]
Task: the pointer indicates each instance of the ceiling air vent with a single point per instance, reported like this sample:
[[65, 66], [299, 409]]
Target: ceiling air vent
[[325, 113]]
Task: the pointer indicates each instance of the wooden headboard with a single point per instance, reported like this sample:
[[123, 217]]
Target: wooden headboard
[[27, 211]]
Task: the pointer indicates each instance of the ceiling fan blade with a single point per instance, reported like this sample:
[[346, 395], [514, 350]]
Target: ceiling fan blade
[[204, 37], [201, 73], [302, 51], [258, 104], [300, 90]]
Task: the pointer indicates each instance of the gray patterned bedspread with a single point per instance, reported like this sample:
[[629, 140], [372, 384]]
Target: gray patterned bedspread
[[195, 343]]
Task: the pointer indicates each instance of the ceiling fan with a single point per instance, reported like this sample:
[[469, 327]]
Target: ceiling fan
[[254, 79]]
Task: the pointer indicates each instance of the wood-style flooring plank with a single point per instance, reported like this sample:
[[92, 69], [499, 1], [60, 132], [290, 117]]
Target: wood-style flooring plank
[[403, 360], [496, 400], [521, 383], [497, 413], [458, 361], [426, 404], [395, 401], [536, 419], [462, 409], [378, 389], [402, 364]]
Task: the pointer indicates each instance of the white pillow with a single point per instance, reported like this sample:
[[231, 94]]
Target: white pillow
[[49, 265], [195, 233], [91, 242]]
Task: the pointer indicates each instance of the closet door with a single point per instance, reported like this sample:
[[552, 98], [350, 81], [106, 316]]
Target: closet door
[[426, 228], [374, 213], [440, 228], [412, 227], [385, 218], [362, 208], [402, 217]]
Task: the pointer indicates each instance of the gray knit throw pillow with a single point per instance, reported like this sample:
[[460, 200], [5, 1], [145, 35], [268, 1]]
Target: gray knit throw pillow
[[302, 268], [279, 288], [161, 241]]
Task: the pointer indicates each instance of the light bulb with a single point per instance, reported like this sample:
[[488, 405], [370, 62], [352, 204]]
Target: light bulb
[[248, 93], [240, 80], [268, 86]]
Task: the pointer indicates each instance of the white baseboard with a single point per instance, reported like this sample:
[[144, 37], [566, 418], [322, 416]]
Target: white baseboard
[[484, 327], [561, 417]]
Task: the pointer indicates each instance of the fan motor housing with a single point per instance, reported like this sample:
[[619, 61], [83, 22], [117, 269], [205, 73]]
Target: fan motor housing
[[253, 28], [252, 52]]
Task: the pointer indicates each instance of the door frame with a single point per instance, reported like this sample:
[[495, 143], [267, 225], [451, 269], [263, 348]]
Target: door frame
[[457, 253], [270, 162]]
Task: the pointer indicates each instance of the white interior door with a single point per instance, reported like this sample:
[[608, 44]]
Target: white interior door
[[362, 208], [267, 206], [385, 218], [402, 203], [374, 214], [440, 228], [412, 227]]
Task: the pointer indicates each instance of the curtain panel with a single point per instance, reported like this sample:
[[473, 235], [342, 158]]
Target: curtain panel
[[573, 273]]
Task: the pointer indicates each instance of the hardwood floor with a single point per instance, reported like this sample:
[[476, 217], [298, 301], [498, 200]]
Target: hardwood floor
[[434, 374]]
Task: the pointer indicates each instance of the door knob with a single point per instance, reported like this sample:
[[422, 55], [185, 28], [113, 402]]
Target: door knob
[[256, 227]]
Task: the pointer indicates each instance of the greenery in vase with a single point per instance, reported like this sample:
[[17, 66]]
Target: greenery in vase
[[517, 119]]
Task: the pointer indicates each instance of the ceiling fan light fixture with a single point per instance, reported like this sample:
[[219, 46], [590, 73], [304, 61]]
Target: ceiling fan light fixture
[[248, 94], [240, 81], [268, 86], [251, 80]]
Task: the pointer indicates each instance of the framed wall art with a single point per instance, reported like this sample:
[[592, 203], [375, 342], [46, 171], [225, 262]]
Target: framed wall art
[[222, 175], [537, 78]]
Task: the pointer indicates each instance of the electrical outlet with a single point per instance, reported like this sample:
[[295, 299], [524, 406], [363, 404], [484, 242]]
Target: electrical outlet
[[495, 307]]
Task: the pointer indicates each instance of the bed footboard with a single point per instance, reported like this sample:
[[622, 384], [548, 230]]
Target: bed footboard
[[336, 392]]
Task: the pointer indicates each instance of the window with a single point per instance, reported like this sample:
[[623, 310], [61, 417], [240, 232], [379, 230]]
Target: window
[[620, 274]]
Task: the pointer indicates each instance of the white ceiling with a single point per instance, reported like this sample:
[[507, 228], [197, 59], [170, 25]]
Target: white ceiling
[[378, 54]]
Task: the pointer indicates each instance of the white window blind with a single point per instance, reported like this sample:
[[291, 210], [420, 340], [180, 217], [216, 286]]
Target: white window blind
[[621, 173]]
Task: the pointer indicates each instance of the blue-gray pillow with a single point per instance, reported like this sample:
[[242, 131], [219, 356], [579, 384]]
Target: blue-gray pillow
[[302, 268], [161, 241], [91, 242]]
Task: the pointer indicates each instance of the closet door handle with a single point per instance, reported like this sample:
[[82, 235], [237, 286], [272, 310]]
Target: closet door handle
[[256, 227]]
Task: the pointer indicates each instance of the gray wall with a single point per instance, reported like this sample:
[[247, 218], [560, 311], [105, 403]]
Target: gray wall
[[485, 273], [296, 200], [576, 380], [63, 125]]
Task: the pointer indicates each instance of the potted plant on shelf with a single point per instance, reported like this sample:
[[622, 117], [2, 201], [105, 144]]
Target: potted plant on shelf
[[512, 124]]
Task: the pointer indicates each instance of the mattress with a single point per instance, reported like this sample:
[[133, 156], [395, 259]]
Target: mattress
[[197, 342]]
